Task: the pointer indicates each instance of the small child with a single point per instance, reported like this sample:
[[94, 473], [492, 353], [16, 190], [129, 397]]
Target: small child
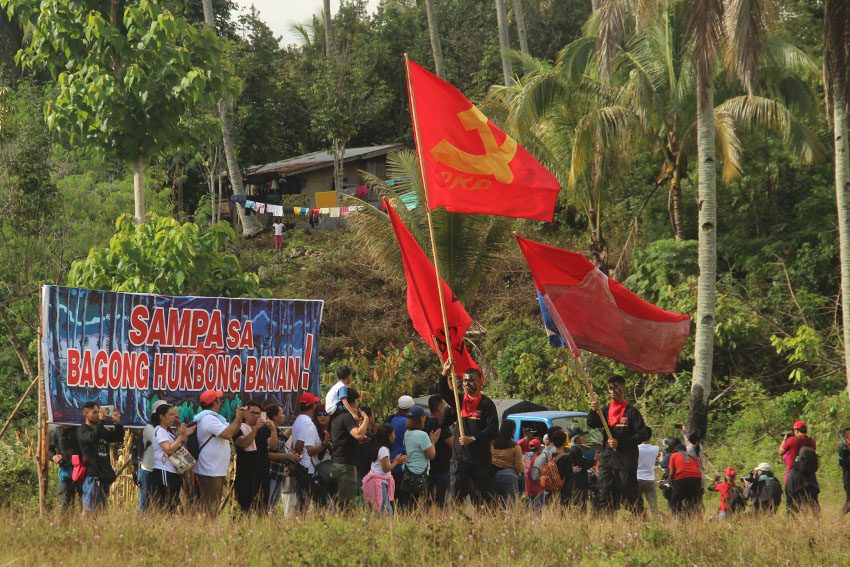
[[378, 484], [336, 400], [731, 498], [278, 233]]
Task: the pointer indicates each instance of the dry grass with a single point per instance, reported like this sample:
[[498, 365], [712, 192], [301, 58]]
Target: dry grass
[[463, 536]]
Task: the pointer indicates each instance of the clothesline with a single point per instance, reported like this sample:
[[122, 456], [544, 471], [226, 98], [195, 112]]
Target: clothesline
[[278, 210]]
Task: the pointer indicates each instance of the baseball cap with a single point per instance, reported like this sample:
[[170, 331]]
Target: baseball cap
[[534, 443], [210, 396], [405, 402], [799, 424], [730, 472], [416, 412], [307, 399], [158, 404], [764, 467]]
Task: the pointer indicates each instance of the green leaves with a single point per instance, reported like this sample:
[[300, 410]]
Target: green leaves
[[164, 256]]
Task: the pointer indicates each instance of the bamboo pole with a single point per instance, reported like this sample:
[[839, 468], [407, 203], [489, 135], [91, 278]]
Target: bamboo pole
[[449, 353], [585, 380], [42, 434], [18, 406]]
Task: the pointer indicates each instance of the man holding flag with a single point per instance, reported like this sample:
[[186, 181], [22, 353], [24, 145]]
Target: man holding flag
[[619, 461]]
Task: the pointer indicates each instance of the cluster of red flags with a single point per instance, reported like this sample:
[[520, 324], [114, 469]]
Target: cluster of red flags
[[469, 165]]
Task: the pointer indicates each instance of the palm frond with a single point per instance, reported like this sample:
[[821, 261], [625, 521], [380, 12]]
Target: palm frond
[[728, 145], [755, 112], [601, 129], [611, 37], [745, 27], [703, 28]]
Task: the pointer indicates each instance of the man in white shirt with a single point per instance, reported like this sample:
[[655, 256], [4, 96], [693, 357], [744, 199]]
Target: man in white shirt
[[647, 459], [214, 434], [147, 461], [307, 443]]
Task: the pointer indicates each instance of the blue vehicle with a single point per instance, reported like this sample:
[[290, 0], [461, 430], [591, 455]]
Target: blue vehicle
[[540, 421]]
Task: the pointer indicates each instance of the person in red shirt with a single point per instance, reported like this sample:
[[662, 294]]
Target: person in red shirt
[[731, 498], [527, 436], [533, 490], [792, 445], [686, 482]]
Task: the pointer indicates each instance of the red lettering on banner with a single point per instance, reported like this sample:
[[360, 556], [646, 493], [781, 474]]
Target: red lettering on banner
[[142, 371], [161, 363], [233, 327], [215, 334], [197, 369], [100, 359], [156, 332], [73, 375], [200, 324], [178, 328], [247, 338], [235, 374], [276, 365], [292, 374], [307, 355], [250, 374], [138, 325], [113, 377]]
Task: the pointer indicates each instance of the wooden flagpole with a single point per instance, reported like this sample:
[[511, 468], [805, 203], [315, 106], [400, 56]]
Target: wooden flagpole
[[589, 388], [42, 432], [449, 352]]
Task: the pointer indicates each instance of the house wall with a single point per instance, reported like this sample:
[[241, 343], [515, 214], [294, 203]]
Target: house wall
[[322, 179]]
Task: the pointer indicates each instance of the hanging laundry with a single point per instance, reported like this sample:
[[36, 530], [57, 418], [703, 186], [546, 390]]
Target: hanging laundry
[[249, 204], [238, 198], [325, 210], [361, 191], [335, 212]]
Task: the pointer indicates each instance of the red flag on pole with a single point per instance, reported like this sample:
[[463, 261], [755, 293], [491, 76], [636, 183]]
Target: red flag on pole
[[469, 164], [423, 302], [596, 313]]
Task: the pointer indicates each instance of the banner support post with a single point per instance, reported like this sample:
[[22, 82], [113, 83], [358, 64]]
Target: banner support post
[[42, 432], [450, 354]]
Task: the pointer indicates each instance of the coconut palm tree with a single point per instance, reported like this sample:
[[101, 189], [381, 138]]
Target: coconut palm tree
[[504, 41], [519, 17], [465, 243], [434, 33], [326, 12], [837, 82], [250, 224]]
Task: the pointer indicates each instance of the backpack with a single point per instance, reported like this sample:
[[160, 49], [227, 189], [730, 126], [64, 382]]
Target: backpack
[[550, 477], [809, 460], [194, 446], [736, 501]]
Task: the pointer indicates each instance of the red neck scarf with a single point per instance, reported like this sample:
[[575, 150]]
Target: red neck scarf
[[469, 405], [616, 411]]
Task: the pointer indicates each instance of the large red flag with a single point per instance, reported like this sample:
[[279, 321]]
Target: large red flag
[[469, 164], [596, 313], [423, 301]]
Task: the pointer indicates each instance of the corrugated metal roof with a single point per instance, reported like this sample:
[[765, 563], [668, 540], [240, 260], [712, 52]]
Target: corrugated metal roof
[[317, 160]]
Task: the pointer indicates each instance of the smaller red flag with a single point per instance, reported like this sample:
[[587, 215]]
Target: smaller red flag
[[423, 301], [469, 164], [596, 313]]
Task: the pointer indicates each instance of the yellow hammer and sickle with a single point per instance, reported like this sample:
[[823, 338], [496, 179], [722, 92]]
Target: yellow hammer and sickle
[[496, 159]]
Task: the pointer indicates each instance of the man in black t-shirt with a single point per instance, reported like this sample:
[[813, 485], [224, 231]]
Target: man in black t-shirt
[[346, 434], [442, 418], [252, 459], [94, 439]]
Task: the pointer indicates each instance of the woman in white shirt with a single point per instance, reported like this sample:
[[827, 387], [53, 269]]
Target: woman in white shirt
[[164, 482]]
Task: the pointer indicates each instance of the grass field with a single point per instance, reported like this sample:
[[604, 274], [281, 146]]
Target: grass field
[[460, 537]]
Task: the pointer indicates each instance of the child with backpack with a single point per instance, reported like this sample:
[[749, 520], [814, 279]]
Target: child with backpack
[[558, 468], [533, 490], [731, 496]]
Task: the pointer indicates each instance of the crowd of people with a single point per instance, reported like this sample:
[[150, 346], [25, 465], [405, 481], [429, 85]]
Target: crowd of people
[[336, 453]]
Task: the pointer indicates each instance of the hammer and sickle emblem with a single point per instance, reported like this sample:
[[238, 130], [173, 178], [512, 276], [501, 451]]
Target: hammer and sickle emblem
[[496, 159]]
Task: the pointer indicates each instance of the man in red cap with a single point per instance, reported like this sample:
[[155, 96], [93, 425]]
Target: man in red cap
[[307, 443], [214, 434], [790, 447], [731, 496]]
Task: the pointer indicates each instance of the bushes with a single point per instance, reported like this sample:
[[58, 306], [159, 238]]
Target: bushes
[[18, 478]]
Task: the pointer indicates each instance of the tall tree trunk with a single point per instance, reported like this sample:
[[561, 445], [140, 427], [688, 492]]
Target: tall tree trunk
[[329, 45], [520, 27], [338, 151], [250, 224], [139, 167], [842, 192], [434, 32], [676, 205], [707, 261], [504, 41]]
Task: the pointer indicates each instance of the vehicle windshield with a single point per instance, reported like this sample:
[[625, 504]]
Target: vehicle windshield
[[593, 437]]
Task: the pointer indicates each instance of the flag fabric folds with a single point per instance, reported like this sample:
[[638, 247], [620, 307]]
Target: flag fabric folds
[[589, 310], [423, 301], [469, 164]]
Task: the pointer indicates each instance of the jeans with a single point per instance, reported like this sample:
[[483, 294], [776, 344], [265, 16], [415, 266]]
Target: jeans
[[386, 505], [346, 484], [67, 491], [143, 488], [94, 494], [647, 487], [275, 490], [505, 485]]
